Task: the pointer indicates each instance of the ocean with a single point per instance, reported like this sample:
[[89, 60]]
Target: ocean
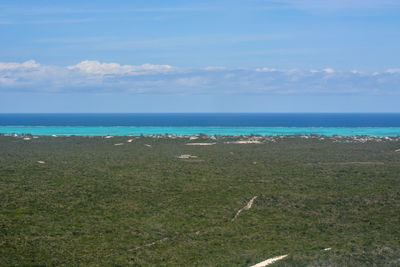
[[371, 124]]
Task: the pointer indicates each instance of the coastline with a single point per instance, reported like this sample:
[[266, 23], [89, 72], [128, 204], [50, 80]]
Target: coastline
[[203, 139], [193, 131]]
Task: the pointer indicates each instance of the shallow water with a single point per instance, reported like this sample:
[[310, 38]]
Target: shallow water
[[372, 124], [265, 131]]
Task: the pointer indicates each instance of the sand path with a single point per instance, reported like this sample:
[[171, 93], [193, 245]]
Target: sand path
[[247, 207], [269, 261]]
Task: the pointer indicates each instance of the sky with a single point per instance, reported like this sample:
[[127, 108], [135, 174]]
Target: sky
[[199, 56]]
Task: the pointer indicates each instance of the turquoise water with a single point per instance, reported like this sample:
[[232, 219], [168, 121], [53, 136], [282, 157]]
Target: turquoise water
[[265, 131]]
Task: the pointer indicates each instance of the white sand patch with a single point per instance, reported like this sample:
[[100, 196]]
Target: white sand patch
[[108, 137], [269, 261], [130, 141], [187, 156], [35, 137], [41, 162], [247, 207], [54, 135], [397, 150], [147, 145], [193, 138], [119, 144], [245, 142], [27, 138], [200, 144], [326, 249]]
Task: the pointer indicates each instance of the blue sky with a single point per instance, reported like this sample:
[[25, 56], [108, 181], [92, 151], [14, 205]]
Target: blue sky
[[200, 56]]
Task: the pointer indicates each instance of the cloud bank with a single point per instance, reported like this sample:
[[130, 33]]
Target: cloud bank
[[95, 67], [97, 77]]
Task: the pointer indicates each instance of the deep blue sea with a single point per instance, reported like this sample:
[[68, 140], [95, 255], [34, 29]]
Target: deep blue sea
[[373, 124]]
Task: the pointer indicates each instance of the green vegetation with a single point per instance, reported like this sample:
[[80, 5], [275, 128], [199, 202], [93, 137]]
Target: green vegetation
[[92, 203]]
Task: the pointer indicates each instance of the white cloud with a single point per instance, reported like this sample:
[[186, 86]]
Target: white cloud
[[396, 70], [95, 67], [30, 64], [356, 72], [95, 77], [329, 70], [266, 70]]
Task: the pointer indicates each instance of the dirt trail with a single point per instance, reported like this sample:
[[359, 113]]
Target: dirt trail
[[269, 261], [187, 156], [247, 207], [200, 144]]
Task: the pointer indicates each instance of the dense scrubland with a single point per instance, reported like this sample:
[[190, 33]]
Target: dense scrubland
[[84, 201]]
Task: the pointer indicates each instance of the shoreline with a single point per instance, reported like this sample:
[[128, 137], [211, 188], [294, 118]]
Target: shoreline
[[194, 131], [202, 139]]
